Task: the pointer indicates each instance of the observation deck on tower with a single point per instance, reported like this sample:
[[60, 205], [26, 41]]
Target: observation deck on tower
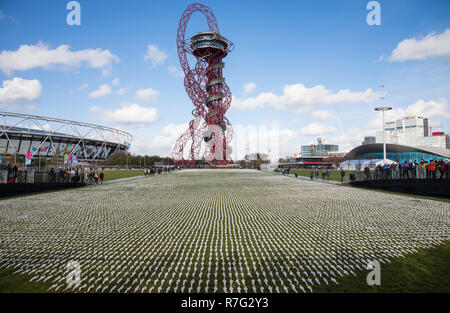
[[209, 43]]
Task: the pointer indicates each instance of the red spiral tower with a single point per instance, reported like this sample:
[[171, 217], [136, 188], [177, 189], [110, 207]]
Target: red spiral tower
[[208, 91]]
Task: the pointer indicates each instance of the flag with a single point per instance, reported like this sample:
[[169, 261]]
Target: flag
[[28, 159]]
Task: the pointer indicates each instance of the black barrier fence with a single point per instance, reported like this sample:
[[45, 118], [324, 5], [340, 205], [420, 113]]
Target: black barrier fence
[[397, 172], [32, 177], [423, 187]]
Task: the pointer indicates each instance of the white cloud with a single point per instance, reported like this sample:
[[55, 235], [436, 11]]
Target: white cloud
[[82, 87], [164, 141], [249, 87], [351, 138], [267, 138], [173, 70], [299, 98], [33, 56], [129, 113], [122, 91], [115, 82], [154, 55], [432, 45], [318, 129], [4, 17], [323, 115], [102, 91], [19, 90], [148, 94], [429, 108]]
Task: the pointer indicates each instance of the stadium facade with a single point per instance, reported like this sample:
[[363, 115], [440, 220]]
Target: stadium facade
[[38, 136]]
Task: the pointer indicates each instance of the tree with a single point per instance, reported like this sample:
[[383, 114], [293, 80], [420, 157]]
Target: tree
[[119, 158]]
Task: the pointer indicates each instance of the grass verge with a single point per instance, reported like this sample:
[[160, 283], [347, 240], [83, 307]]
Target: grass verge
[[428, 270]]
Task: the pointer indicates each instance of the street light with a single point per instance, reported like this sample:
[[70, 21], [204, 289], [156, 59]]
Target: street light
[[382, 109]]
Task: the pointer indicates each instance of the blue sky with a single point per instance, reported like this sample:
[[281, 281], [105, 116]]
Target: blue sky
[[300, 56]]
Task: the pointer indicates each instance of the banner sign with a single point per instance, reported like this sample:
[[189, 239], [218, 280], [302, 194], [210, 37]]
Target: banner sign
[[28, 159]]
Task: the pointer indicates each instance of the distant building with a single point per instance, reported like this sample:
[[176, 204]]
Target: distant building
[[412, 131], [319, 149], [369, 140]]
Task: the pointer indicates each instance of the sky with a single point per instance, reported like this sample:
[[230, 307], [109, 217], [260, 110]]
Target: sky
[[300, 69]]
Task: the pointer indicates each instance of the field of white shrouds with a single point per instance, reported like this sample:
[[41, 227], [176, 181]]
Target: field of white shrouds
[[211, 231]]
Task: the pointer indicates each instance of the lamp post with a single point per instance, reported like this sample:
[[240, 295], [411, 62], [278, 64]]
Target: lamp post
[[382, 109]]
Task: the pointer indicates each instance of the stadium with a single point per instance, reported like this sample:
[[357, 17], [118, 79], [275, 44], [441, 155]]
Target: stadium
[[38, 136]]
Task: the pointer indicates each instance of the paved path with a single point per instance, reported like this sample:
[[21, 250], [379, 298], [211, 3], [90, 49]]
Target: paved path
[[319, 180]]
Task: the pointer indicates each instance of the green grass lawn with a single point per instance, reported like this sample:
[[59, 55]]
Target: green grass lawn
[[425, 271], [116, 174], [334, 174], [10, 282]]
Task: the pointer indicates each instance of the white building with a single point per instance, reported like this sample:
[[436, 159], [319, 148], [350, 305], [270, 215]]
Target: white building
[[412, 131]]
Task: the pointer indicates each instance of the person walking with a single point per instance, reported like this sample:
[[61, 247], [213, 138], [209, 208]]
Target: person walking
[[311, 175], [447, 170], [441, 168], [102, 176], [411, 169], [8, 172], [15, 171], [367, 172], [405, 170], [415, 167], [328, 175], [432, 169], [342, 174]]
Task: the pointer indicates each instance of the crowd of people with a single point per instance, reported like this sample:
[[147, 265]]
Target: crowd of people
[[9, 173], [434, 169], [314, 174], [89, 176]]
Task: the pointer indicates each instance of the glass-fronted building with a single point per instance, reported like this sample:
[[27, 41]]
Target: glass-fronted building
[[398, 153]]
